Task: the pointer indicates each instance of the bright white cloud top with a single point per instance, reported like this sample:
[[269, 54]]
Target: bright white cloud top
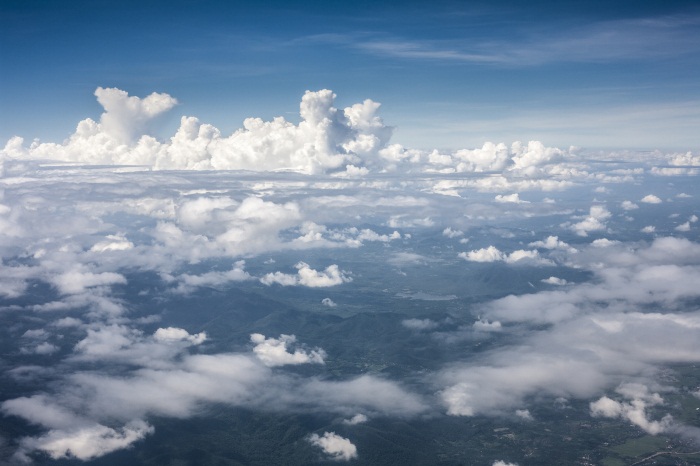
[[321, 271]]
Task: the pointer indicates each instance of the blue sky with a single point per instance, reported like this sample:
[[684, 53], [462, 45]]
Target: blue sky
[[448, 74]]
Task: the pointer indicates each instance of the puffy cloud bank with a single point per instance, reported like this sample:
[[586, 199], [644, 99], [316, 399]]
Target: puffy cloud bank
[[352, 142], [334, 446]]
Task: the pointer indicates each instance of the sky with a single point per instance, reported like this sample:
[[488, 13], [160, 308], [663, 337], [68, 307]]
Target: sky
[[449, 75], [348, 216]]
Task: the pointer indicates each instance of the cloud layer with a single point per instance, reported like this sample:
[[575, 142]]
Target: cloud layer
[[316, 275]]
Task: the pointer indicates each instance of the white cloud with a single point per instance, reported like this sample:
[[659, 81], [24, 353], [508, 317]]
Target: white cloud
[[595, 221], [629, 205], [554, 281], [490, 254], [524, 414], [552, 242], [450, 233], [112, 243], [648, 229], [84, 443], [77, 281], [419, 324], [511, 198], [356, 419], [486, 326], [328, 302], [683, 227], [125, 118], [274, 351], [336, 447], [174, 334], [651, 199], [633, 410], [188, 282], [306, 276], [503, 463]]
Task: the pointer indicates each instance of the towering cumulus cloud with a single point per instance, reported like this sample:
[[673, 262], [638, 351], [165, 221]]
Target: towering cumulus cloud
[[352, 141], [125, 118]]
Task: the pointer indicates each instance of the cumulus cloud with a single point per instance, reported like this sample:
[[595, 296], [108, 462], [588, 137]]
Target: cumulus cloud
[[554, 281], [629, 205], [450, 233], [77, 281], [552, 242], [486, 326], [112, 243], [633, 410], [349, 143], [595, 221], [274, 351], [683, 227], [356, 419], [337, 448], [510, 198], [552, 362], [84, 443], [651, 199], [328, 302], [125, 117], [492, 254], [306, 276], [419, 324], [173, 334]]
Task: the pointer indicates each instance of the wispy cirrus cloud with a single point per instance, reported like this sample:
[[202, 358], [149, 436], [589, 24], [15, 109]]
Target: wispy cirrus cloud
[[606, 41]]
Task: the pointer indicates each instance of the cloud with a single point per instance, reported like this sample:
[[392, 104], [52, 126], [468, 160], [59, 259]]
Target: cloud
[[174, 334], [634, 410], [327, 138], [651, 199], [273, 351], [486, 326], [84, 443], [596, 221], [511, 198], [356, 419], [554, 281], [306, 276], [77, 281], [112, 243], [588, 348], [95, 259], [683, 227], [348, 143], [328, 302], [552, 242], [492, 254], [337, 448], [450, 233], [125, 117], [419, 324], [628, 205]]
